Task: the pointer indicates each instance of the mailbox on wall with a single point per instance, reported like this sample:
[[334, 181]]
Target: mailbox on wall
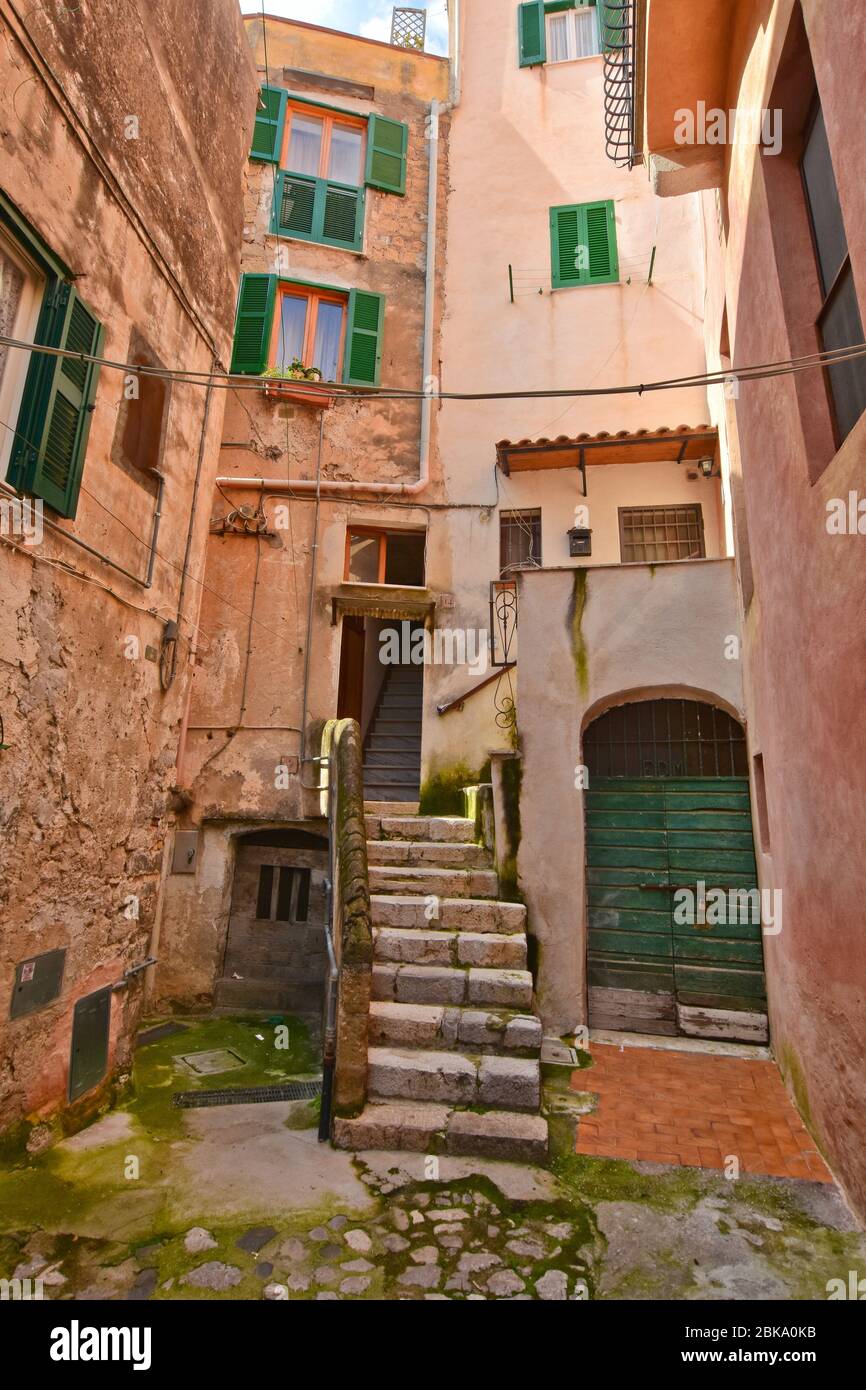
[[579, 541]]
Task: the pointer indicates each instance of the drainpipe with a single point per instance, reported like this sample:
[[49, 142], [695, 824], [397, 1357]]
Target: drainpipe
[[328, 486]]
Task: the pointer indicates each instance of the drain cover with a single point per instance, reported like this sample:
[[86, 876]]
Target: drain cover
[[247, 1095], [212, 1063]]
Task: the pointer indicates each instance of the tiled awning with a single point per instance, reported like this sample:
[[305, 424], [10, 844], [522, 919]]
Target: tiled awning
[[676, 444]]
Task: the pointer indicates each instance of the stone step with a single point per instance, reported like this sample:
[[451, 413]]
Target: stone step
[[440, 1026], [409, 946], [393, 757], [454, 914], [444, 984], [428, 1128], [375, 810], [427, 828], [500, 1082], [443, 855], [444, 883]]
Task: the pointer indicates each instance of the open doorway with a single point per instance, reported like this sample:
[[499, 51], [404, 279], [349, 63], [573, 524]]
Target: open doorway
[[383, 688]]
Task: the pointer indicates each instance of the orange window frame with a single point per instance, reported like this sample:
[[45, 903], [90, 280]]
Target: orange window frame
[[352, 531], [314, 298], [330, 119]]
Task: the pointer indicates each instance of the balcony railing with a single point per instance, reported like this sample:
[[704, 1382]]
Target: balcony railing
[[619, 42]]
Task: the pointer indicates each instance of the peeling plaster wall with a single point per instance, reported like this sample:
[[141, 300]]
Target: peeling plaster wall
[[247, 706], [150, 228], [642, 632], [803, 590]]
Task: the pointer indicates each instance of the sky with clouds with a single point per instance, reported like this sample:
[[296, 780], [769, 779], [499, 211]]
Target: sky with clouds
[[370, 18]]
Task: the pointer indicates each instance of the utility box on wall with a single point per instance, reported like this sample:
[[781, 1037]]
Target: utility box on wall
[[579, 541]]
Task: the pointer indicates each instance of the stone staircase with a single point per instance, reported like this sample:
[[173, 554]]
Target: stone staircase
[[392, 749], [454, 1044]]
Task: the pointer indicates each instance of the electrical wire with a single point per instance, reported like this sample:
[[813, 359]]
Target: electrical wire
[[761, 371]]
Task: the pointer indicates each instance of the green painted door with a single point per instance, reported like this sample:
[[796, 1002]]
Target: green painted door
[[674, 921]]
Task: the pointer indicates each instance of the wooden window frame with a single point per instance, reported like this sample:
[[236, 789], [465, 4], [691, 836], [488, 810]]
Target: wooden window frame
[[330, 119], [314, 297], [383, 552], [662, 507], [383, 535]]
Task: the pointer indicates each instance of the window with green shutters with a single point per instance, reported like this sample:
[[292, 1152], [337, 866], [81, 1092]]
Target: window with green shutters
[[261, 295], [536, 46], [270, 123], [315, 209], [583, 244], [59, 395]]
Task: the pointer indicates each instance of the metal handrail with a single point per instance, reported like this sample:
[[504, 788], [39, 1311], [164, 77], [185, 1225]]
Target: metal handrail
[[492, 676], [619, 45]]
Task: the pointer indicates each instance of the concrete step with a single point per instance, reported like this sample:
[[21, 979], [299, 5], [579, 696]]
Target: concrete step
[[427, 828], [375, 810], [454, 914], [443, 855], [377, 791], [410, 946], [428, 1128], [445, 984], [394, 771], [443, 883], [381, 743], [440, 1026], [393, 757], [500, 1082], [397, 726], [256, 994]]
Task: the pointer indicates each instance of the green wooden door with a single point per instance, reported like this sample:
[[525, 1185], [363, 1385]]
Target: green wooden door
[[674, 921]]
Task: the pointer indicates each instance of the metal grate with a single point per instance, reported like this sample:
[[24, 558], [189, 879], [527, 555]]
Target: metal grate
[[408, 27], [649, 534], [617, 19], [665, 738], [247, 1095], [519, 541], [161, 1030]]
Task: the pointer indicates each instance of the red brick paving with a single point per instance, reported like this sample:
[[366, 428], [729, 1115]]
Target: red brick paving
[[694, 1109]]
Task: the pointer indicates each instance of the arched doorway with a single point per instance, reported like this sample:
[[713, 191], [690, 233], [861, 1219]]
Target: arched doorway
[[274, 955], [675, 938]]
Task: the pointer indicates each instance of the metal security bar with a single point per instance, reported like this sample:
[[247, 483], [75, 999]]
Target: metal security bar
[[618, 25], [665, 738]]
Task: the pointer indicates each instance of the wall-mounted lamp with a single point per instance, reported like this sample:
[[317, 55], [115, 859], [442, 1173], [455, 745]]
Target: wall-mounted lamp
[[706, 467]]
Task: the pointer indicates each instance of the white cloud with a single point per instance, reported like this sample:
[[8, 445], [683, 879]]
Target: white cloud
[[369, 18]]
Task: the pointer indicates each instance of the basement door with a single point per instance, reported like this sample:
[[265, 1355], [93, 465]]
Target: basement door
[[674, 942]]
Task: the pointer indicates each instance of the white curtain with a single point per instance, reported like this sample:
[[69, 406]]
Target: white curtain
[[329, 326], [585, 32], [293, 319], [11, 290], [305, 145], [344, 164], [557, 38]]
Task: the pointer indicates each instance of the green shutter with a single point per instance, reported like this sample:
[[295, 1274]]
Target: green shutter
[[387, 145], [531, 35], [583, 244], [54, 421], [294, 205], [362, 359], [270, 123], [315, 210], [253, 326]]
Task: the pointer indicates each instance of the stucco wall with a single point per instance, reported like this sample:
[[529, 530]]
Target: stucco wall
[[590, 639], [150, 228], [524, 140], [247, 709], [803, 652]]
